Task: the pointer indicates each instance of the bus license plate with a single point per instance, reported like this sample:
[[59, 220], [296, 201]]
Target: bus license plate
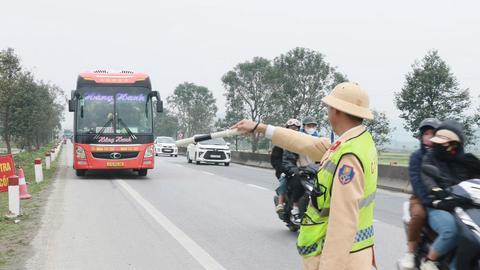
[[115, 164]]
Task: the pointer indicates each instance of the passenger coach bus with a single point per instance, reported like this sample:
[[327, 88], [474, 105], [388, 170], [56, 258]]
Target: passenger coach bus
[[113, 126]]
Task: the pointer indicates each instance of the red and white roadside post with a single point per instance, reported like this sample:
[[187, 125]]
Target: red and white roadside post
[[47, 160], [13, 196], [52, 155], [38, 170]]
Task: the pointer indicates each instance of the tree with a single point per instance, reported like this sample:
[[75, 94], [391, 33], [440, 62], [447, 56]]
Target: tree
[[9, 70], [431, 90], [30, 111], [37, 111], [249, 87], [380, 129], [166, 124], [303, 78], [477, 116], [194, 106]]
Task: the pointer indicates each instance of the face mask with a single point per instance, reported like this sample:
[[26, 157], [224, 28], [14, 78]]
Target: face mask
[[310, 131], [442, 153]]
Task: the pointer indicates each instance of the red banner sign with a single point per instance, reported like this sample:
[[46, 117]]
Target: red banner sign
[[7, 169]]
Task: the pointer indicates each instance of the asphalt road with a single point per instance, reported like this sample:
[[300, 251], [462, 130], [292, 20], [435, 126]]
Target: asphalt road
[[181, 216]]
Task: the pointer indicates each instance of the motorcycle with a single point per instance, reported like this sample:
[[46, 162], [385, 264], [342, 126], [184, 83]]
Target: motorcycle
[[308, 175], [466, 196]]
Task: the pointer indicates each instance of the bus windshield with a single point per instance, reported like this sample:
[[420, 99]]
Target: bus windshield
[[114, 110]]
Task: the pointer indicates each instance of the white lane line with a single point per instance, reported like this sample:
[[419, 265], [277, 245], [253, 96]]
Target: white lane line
[[197, 252], [259, 187], [209, 173]]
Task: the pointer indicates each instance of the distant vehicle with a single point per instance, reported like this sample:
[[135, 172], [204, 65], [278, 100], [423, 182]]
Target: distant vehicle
[[165, 146], [67, 134], [214, 151], [113, 122]]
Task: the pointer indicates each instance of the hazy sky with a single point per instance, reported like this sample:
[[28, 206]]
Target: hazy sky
[[373, 42]]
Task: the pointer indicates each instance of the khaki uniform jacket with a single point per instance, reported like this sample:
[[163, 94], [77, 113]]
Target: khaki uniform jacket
[[345, 199]]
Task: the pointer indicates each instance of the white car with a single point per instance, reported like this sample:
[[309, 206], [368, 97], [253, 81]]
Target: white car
[[211, 151], [165, 146]]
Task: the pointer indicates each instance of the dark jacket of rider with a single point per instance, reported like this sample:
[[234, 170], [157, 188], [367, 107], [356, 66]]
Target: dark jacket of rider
[[289, 163], [414, 171], [276, 159]]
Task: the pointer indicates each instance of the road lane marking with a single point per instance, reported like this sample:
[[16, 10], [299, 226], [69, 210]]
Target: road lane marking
[[209, 173], [197, 252], [259, 187]]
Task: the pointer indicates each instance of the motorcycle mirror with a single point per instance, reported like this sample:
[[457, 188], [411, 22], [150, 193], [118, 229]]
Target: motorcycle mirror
[[431, 170]]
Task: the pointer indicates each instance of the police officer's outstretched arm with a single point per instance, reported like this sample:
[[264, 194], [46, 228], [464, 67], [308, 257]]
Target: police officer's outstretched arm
[[347, 192], [301, 143], [294, 141]]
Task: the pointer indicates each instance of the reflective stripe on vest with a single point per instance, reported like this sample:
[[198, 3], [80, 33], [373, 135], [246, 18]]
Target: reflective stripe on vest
[[315, 223]]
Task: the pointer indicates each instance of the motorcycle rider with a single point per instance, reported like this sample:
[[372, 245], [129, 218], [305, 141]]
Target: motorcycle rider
[[292, 162], [454, 166], [420, 196], [276, 159], [309, 126]]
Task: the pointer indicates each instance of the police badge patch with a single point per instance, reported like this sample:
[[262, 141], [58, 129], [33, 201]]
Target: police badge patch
[[346, 174]]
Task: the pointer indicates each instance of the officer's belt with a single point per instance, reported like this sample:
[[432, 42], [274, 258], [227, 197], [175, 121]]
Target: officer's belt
[[325, 212]]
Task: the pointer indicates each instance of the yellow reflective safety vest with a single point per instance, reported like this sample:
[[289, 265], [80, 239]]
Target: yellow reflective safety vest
[[315, 221]]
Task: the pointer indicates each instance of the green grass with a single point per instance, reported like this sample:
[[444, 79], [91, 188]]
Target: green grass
[[390, 158], [16, 236]]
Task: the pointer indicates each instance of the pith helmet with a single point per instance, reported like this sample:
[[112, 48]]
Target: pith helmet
[[349, 98]]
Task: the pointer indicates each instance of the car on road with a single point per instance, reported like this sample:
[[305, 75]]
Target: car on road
[[213, 151], [165, 146]]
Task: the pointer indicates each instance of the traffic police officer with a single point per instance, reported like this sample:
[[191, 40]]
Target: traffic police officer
[[337, 228]]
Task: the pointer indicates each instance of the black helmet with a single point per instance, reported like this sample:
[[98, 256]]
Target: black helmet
[[429, 123], [309, 120]]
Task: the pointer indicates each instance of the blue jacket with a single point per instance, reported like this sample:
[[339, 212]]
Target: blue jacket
[[414, 171]]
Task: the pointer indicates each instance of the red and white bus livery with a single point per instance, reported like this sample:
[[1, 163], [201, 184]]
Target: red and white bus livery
[[113, 121]]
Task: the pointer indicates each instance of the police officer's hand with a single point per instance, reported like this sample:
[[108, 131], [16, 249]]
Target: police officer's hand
[[438, 193], [447, 204], [248, 126]]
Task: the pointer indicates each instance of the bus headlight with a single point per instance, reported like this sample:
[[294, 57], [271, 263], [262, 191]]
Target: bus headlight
[[80, 152], [148, 152]]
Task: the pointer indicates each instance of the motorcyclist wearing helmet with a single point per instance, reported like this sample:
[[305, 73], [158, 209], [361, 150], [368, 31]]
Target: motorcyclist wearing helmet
[[276, 159], [420, 196], [309, 126], [454, 166]]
